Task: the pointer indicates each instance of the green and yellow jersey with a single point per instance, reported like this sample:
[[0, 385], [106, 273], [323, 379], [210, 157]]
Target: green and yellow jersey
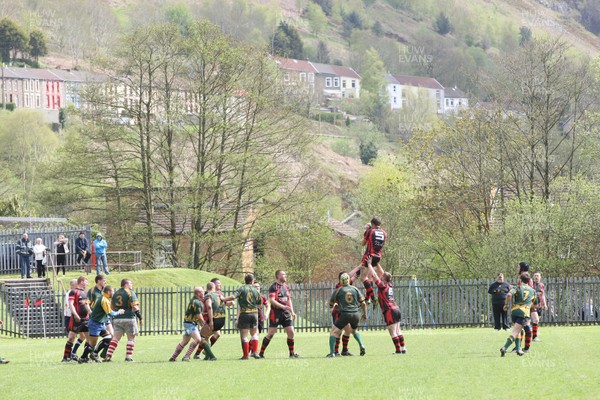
[[348, 298], [93, 295], [194, 309], [124, 299], [217, 305], [248, 299], [523, 297], [101, 309]]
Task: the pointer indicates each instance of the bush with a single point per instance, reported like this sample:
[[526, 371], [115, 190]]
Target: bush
[[343, 147], [368, 152], [9, 106]]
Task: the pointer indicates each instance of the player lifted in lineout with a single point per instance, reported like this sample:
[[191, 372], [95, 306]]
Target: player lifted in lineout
[[373, 240]]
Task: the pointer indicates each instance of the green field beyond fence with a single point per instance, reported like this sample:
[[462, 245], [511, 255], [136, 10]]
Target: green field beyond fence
[[424, 304]]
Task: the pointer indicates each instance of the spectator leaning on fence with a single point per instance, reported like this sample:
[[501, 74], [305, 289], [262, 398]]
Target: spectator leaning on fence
[[39, 252], [499, 290], [82, 249], [24, 251], [100, 246]]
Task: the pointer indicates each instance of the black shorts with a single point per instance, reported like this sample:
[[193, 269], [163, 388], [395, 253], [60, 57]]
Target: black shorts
[[335, 314], [374, 260], [282, 318], [519, 320], [248, 321], [352, 318], [78, 327], [218, 323], [539, 311], [392, 316]]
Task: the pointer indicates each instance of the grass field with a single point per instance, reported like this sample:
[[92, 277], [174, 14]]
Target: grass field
[[441, 364]]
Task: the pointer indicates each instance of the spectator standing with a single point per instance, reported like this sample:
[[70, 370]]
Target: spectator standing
[[39, 253], [100, 246], [24, 251], [499, 290], [62, 249]]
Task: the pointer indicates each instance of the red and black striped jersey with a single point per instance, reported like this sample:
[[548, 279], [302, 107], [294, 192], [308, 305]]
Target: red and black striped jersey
[[375, 239], [280, 293], [79, 299], [385, 295]]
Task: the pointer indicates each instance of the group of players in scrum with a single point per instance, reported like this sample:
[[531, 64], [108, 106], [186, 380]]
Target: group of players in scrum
[[205, 314]]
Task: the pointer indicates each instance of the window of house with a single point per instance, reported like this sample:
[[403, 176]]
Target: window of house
[[393, 88], [37, 101], [344, 83], [37, 85], [311, 77], [302, 76], [395, 100], [327, 82], [353, 83], [286, 77], [438, 93], [336, 82], [403, 93], [26, 100], [47, 101], [403, 102], [9, 85], [25, 84]]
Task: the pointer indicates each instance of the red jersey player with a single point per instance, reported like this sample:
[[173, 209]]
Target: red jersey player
[[374, 239]]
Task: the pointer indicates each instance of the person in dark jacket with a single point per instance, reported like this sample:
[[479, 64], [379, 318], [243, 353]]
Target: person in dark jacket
[[83, 250], [25, 251], [499, 290]]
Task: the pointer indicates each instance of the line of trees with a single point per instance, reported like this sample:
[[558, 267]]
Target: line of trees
[[14, 41]]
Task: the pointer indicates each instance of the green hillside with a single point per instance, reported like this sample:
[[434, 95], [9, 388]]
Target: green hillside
[[167, 277]]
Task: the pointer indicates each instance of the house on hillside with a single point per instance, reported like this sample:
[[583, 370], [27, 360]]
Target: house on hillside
[[321, 82], [46, 90], [401, 88], [455, 100]]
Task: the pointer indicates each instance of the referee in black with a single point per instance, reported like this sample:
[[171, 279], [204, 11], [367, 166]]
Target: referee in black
[[499, 290]]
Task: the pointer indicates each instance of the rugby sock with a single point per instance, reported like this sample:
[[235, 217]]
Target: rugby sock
[[130, 344], [332, 344], [87, 349], [265, 343], [345, 341], [527, 337], [369, 289], [535, 330], [358, 339], [77, 344], [213, 340], [396, 343], [68, 349], [337, 345], [290, 343], [509, 341], [518, 344], [190, 349], [245, 347], [401, 340], [103, 346], [177, 351], [200, 348], [254, 344], [111, 348], [209, 352]]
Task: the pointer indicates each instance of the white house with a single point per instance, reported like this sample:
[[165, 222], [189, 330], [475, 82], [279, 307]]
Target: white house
[[400, 88], [455, 100]]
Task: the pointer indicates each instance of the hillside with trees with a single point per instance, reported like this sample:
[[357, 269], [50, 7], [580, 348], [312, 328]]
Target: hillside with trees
[[514, 176]]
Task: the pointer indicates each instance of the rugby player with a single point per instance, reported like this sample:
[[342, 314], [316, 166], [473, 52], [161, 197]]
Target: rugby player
[[101, 310], [374, 239], [214, 318], [540, 295], [349, 300], [217, 333], [248, 301], [389, 308], [522, 298], [126, 323], [80, 311], [282, 313]]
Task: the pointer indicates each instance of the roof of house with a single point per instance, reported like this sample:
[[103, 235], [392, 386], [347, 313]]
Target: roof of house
[[345, 71], [454, 93], [50, 74], [324, 68], [417, 81], [292, 64], [343, 229]]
